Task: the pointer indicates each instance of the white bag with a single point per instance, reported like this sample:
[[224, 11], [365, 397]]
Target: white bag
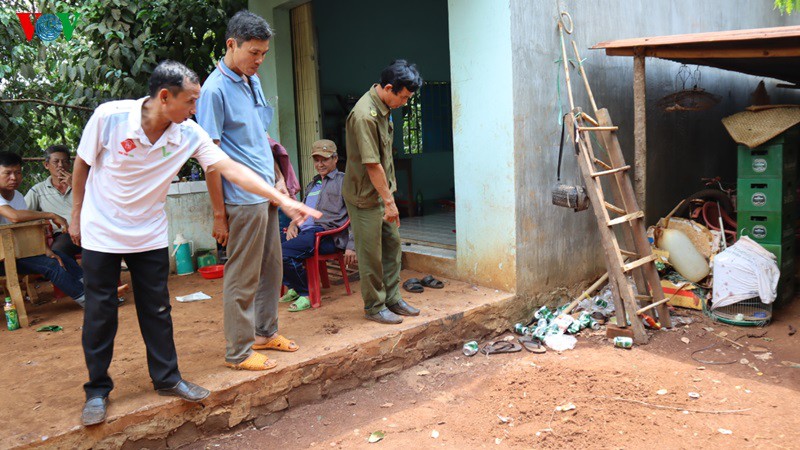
[[743, 271]]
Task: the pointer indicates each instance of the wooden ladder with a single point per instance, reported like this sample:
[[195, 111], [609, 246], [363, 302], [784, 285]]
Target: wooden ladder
[[635, 257], [619, 217]]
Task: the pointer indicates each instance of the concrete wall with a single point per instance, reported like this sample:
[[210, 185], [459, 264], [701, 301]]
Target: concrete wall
[[557, 247], [189, 212], [484, 141]]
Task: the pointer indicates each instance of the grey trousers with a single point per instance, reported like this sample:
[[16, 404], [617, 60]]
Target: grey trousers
[[253, 277]]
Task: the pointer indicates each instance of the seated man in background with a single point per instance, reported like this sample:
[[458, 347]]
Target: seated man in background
[[324, 194], [54, 195], [59, 268]]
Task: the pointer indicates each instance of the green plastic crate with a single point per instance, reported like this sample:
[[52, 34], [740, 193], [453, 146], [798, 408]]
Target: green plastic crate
[[765, 194], [766, 227], [767, 161], [785, 253]]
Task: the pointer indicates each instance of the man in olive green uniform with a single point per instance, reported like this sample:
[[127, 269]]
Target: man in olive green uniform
[[368, 189]]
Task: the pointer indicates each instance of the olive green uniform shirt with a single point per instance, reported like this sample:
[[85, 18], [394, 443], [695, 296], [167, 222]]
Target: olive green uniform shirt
[[369, 133]]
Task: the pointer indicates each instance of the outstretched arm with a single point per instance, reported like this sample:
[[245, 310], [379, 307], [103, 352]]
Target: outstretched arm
[[245, 178]]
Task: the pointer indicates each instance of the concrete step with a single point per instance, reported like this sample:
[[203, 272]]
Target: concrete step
[[339, 351]]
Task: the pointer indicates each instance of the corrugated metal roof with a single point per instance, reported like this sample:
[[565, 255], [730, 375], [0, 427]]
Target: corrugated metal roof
[[767, 52]]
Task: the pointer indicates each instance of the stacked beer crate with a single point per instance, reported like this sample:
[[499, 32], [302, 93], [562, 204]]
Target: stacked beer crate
[[766, 200]]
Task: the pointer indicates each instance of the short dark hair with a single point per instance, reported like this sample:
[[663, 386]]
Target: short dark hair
[[401, 74], [245, 26], [9, 159], [170, 75], [58, 148]]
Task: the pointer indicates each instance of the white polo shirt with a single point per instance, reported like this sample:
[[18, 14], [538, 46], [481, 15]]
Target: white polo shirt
[[123, 207]]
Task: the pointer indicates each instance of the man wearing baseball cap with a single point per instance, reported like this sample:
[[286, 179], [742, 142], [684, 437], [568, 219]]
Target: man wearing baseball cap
[[324, 193]]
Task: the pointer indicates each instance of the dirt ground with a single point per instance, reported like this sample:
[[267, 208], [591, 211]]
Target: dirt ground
[[634, 398], [43, 372]]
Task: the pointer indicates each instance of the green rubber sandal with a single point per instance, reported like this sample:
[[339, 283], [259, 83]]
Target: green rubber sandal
[[289, 296], [301, 304]]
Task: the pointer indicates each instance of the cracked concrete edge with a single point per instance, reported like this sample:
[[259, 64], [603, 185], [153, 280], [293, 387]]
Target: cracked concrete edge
[[313, 380]]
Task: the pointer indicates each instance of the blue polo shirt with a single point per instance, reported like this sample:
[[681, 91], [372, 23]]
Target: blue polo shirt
[[237, 114]]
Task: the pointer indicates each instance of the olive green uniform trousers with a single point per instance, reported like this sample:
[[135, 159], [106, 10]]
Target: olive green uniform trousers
[[378, 249]]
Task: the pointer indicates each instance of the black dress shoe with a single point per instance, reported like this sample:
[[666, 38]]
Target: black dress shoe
[[384, 316], [94, 411], [187, 391], [404, 309]]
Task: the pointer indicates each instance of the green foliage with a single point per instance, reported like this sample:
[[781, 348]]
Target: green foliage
[[787, 6], [114, 48]]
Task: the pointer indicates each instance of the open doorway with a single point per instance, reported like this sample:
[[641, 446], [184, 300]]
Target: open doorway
[[356, 39]]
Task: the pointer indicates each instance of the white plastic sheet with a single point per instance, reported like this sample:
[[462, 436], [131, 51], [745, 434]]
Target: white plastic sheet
[[743, 271]]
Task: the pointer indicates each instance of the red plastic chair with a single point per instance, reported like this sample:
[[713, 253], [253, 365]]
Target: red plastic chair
[[318, 271]]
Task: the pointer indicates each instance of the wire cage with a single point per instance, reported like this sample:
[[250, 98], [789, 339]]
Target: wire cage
[[747, 313]]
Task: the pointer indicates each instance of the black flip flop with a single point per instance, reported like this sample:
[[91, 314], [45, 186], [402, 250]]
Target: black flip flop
[[497, 347], [431, 282], [532, 345], [413, 285]]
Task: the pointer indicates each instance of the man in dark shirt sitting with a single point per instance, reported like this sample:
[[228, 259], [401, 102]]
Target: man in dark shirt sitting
[[324, 193]]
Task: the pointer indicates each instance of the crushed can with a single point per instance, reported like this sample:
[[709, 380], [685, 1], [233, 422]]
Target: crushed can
[[470, 348], [544, 313], [623, 342], [521, 329]]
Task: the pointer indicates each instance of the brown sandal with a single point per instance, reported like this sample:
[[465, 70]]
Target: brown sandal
[[279, 343], [256, 361]]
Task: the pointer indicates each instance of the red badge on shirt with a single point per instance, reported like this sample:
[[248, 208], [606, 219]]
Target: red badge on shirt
[[128, 145]]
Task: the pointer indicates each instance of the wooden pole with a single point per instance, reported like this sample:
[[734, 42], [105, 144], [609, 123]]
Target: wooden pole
[[566, 65], [587, 293], [640, 128], [585, 78]]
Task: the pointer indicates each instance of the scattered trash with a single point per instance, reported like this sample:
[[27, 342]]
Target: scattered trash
[[764, 356], [792, 365], [497, 441], [694, 395], [685, 340], [709, 329], [744, 361], [560, 342], [768, 339], [422, 373], [387, 405], [435, 434], [724, 431], [470, 348], [757, 349], [376, 436], [566, 407], [623, 342], [681, 320], [662, 392], [701, 368], [504, 419], [52, 328], [197, 296]]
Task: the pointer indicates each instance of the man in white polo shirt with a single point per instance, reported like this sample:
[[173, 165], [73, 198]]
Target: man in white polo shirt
[[134, 148]]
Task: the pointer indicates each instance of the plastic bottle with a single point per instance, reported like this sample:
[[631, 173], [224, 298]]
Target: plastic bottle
[[12, 320], [195, 173]]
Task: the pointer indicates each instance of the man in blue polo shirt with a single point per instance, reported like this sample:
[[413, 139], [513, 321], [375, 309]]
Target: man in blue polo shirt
[[234, 112]]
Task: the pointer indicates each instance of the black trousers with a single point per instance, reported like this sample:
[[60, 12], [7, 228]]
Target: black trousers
[[63, 243], [149, 272]]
